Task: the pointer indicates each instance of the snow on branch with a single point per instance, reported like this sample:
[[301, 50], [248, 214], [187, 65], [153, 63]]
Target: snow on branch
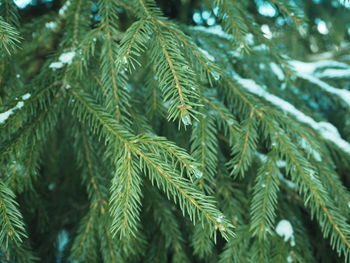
[[214, 30], [335, 73], [5, 115], [311, 67], [306, 70], [325, 129]]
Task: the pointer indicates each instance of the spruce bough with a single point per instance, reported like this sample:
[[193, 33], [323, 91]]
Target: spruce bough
[[127, 136]]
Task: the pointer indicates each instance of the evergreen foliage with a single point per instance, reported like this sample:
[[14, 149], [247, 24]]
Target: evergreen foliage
[[175, 131]]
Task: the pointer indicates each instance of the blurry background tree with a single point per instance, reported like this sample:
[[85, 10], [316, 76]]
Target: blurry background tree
[[251, 99]]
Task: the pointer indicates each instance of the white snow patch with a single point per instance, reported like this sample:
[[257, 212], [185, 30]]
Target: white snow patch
[[64, 8], [64, 58], [219, 218], [62, 240], [277, 70], [26, 96], [206, 53], [5, 115], [322, 27], [67, 57], [317, 156], [56, 65], [249, 39], [19, 105], [234, 53], [51, 25], [261, 48], [211, 21], [303, 67], [310, 67], [22, 3], [197, 173], [216, 10], [205, 14], [197, 18], [334, 73], [266, 9], [267, 31], [325, 129], [331, 136], [284, 229], [215, 30], [186, 120], [281, 164], [324, 126], [215, 75]]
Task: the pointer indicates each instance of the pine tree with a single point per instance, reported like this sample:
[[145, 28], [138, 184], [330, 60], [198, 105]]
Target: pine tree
[[174, 131]]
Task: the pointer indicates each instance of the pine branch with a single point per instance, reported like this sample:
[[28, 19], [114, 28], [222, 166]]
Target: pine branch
[[92, 171], [291, 11], [153, 99], [197, 59], [264, 200], [261, 251], [191, 201], [9, 37], [202, 245], [333, 225], [109, 248], [338, 192], [120, 65], [96, 117], [245, 146], [133, 44], [12, 226], [225, 119], [31, 102], [174, 154], [236, 249], [23, 169], [231, 15], [125, 200], [86, 52], [113, 81], [147, 9], [204, 148], [44, 118], [9, 12], [114, 133], [85, 243], [168, 224], [175, 77], [18, 253]]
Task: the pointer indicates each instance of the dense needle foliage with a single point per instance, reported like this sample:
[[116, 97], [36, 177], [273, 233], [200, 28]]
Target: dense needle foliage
[[175, 131]]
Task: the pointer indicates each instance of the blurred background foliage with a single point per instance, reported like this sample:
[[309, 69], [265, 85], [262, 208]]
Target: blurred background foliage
[[327, 28]]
